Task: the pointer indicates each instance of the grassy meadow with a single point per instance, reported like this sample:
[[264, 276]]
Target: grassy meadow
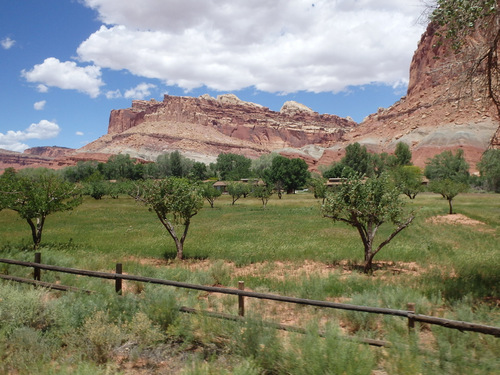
[[449, 268]]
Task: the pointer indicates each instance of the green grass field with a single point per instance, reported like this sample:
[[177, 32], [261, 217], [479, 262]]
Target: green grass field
[[448, 268]]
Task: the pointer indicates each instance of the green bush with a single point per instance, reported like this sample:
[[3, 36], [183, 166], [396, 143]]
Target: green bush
[[160, 306], [23, 307], [101, 336]]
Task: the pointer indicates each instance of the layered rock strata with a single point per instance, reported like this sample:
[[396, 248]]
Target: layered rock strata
[[203, 127]]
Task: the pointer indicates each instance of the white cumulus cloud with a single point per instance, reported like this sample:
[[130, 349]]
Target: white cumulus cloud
[[79, 133], [12, 140], [40, 105], [113, 94], [66, 75], [42, 88], [141, 91], [275, 46], [7, 43]]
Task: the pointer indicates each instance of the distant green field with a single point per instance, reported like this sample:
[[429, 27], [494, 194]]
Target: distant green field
[[288, 229], [449, 268]]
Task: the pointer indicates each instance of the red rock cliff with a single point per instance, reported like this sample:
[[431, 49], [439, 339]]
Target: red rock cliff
[[208, 125]]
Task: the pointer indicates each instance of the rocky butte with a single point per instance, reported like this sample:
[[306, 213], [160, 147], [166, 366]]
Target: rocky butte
[[430, 119], [201, 128]]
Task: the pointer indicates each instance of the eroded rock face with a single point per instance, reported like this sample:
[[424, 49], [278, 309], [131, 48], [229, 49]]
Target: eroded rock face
[[49, 151], [292, 108], [430, 119], [208, 126]]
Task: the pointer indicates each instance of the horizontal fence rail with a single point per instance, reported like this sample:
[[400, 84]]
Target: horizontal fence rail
[[240, 292]]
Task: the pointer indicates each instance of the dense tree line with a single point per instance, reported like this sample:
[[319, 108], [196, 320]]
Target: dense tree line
[[358, 159], [123, 167], [113, 177]]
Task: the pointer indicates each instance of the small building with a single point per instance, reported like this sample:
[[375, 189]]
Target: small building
[[221, 186], [335, 181]]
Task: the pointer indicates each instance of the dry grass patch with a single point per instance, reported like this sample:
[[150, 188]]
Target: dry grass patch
[[282, 270], [454, 219]]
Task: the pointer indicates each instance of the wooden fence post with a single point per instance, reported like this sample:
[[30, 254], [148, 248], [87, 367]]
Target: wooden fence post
[[36, 270], [118, 280], [411, 322], [241, 299]]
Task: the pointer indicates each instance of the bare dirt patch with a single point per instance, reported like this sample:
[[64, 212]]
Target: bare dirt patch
[[454, 219], [459, 219]]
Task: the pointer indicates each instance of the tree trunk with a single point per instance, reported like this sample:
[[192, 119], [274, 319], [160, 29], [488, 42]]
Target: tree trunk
[[180, 249], [367, 236], [368, 263], [36, 231], [451, 206], [179, 244], [369, 255]]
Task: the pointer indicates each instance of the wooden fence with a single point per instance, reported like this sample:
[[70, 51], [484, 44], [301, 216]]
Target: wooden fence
[[118, 276]]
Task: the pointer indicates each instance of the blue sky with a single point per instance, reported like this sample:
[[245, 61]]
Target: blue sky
[[65, 64]]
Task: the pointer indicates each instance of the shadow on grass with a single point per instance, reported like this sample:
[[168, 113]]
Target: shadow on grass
[[172, 255], [26, 246], [360, 267], [479, 285]]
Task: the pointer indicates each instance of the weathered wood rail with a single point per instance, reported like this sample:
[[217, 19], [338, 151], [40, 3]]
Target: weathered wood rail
[[240, 292]]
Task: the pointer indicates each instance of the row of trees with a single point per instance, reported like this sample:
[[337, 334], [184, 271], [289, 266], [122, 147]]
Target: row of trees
[[364, 203], [358, 159], [284, 174], [175, 201], [123, 167]]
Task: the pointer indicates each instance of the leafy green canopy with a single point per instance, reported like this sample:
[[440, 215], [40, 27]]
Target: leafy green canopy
[[357, 159], [408, 179], [290, 174], [403, 154], [447, 165], [175, 201], [37, 195], [233, 167], [263, 193], [449, 175], [366, 205], [489, 167], [448, 189], [462, 16], [237, 190], [210, 193]]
